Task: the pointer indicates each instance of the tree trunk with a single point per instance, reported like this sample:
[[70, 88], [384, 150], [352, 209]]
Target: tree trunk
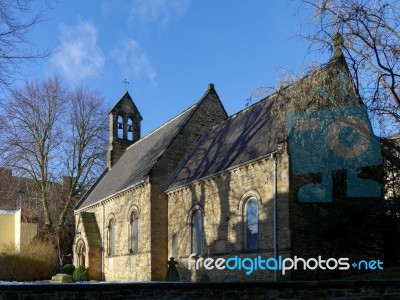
[[64, 212], [46, 212]]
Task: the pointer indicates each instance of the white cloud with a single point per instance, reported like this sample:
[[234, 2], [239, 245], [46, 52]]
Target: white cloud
[[133, 60], [79, 56], [158, 10]]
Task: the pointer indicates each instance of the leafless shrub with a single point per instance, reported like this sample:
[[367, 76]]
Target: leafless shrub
[[37, 261]]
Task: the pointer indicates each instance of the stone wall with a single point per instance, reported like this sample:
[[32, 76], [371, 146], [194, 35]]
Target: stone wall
[[208, 113], [223, 199], [348, 290], [123, 265]]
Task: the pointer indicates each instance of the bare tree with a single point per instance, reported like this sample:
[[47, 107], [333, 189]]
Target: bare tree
[[53, 135], [16, 21], [33, 133], [368, 32], [85, 144]]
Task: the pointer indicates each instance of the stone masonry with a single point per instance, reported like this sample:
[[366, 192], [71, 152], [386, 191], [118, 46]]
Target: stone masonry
[[223, 217]]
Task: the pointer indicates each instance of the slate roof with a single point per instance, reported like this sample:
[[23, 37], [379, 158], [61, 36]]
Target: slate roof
[[247, 135], [135, 164]]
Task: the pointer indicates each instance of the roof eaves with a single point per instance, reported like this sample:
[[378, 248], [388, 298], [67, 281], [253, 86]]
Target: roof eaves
[[170, 189], [136, 184]]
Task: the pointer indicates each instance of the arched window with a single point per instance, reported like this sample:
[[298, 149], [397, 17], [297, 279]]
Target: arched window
[[251, 225], [111, 237], [197, 232], [133, 239], [81, 253]]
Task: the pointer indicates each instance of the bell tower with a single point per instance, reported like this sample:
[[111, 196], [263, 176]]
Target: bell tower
[[125, 122]]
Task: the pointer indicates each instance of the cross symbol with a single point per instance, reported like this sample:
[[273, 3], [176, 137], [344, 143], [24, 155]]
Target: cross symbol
[[126, 83]]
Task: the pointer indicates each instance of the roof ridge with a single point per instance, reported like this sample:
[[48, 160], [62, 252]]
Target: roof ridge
[[290, 85], [203, 139], [225, 132], [242, 111], [163, 125]]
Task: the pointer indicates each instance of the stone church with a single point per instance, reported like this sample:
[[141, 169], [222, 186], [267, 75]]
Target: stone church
[[203, 183]]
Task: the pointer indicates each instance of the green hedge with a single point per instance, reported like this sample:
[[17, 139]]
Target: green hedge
[[80, 274]]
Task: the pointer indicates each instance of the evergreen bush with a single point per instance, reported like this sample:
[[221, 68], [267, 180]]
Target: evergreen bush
[[80, 274], [68, 269]]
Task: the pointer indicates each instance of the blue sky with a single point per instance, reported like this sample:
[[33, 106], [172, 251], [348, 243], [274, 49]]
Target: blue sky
[[169, 50]]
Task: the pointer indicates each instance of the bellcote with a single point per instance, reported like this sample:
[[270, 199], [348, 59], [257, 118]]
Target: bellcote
[[125, 120]]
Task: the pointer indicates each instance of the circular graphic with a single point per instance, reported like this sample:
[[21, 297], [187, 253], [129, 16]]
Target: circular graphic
[[359, 127]]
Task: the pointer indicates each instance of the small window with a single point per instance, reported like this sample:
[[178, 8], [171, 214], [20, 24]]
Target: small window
[[111, 237], [251, 225], [133, 232], [197, 232]]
